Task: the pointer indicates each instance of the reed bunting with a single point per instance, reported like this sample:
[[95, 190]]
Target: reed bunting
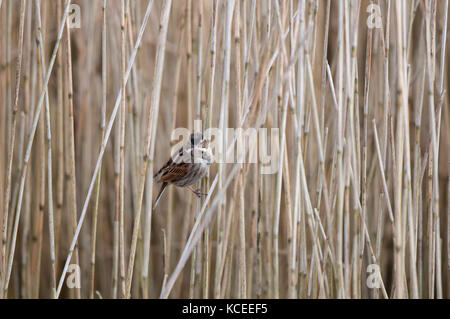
[[187, 166]]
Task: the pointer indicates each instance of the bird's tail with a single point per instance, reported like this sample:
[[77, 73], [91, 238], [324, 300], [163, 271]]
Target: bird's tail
[[163, 187]]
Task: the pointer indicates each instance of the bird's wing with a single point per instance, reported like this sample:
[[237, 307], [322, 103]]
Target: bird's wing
[[177, 166], [174, 172], [169, 163], [162, 169]]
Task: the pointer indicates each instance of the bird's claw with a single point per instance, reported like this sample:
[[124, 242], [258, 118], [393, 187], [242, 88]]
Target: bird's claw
[[199, 193]]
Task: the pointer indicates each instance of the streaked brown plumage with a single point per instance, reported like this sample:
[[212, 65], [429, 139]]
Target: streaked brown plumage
[[187, 166]]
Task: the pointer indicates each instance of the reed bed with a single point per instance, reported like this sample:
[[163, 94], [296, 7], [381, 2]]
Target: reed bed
[[353, 95]]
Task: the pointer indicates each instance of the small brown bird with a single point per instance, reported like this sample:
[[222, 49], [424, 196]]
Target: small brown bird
[[187, 166]]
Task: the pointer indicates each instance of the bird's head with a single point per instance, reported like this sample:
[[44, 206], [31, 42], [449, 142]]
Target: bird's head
[[197, 139]]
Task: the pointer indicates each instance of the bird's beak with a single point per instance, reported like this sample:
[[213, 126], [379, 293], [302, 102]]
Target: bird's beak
[[204, 143]]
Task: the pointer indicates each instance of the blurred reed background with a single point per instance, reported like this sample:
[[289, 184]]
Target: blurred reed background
[[363, 178]]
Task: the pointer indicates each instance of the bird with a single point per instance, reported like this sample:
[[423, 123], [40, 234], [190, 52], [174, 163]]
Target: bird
[[186, 166]]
